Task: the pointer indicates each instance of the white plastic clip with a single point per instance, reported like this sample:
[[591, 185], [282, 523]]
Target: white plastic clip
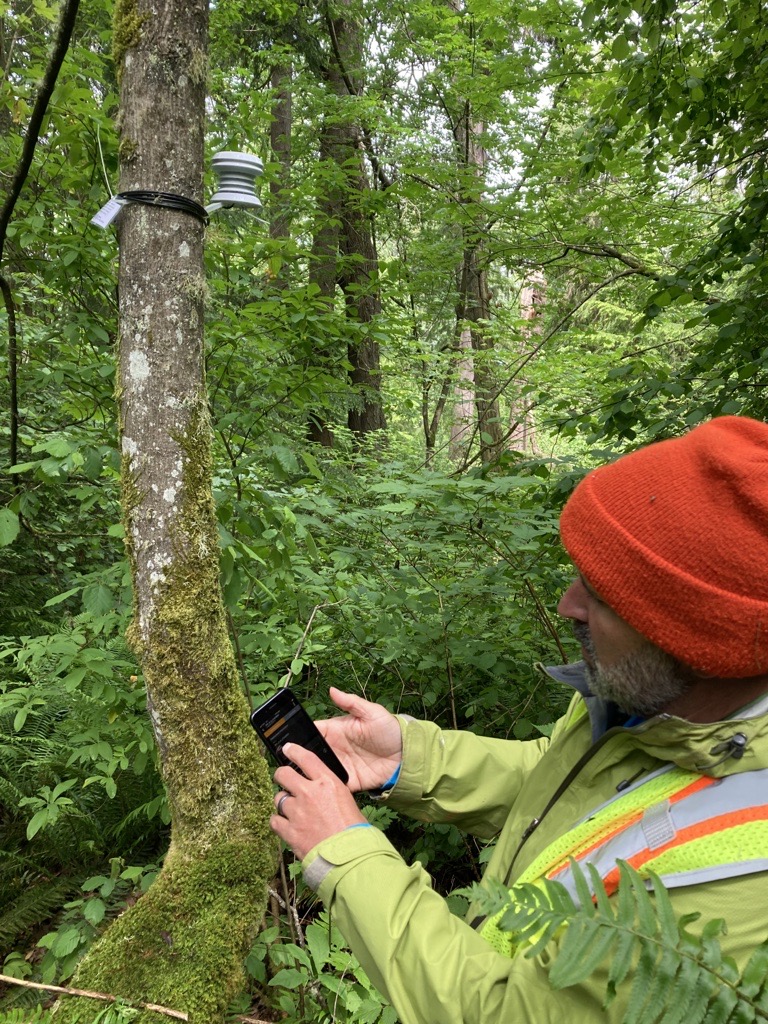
[[108, 212]]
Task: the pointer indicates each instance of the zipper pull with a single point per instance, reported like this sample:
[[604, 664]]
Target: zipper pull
[[733, 747], [531, 828]]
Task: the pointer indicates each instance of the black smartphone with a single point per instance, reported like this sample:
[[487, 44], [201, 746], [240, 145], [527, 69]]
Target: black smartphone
[[281, 720]]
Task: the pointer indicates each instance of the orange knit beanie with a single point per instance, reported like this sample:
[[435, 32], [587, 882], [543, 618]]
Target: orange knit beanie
[[674, 537]]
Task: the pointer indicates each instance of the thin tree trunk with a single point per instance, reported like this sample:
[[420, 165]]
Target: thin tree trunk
[[59, 47], [522, 430], [474, 297], [280, 142], [13, 370], [473, 308], [322, 273], [183, 944], [464, 402]]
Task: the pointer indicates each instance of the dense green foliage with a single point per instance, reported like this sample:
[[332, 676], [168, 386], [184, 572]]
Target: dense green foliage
[[614, 154]]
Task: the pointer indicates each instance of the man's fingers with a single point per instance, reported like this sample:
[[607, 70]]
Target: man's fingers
[[309, 763], [356, 706]]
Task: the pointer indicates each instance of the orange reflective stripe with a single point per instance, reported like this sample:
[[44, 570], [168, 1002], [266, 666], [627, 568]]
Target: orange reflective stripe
[[691, 788]]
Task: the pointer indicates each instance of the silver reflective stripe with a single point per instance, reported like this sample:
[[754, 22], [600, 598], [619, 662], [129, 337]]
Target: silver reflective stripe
[[661, 823], [715, 873]]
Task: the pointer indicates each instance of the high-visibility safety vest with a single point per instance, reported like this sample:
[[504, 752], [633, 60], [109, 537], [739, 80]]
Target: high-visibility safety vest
[[685, 827]]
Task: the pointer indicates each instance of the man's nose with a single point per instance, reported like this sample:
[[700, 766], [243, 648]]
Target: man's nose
[[573, 603]]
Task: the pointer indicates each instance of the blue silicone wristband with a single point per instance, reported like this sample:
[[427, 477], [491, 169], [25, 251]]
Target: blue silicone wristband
[[383, 790]]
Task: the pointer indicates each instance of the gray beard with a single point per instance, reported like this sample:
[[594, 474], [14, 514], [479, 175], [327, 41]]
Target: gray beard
[[642, 683]]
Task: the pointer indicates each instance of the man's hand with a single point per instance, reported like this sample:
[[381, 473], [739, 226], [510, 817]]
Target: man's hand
[[313, 806], [367, 740]]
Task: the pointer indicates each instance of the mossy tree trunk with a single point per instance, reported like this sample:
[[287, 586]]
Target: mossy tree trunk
[[182, 945]]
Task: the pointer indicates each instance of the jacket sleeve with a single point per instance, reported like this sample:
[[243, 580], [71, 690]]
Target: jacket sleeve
[[460, 778], [430, 964]]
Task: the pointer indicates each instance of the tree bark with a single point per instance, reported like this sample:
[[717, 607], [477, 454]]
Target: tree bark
[[322, 274], [13, 373], [463, 406], [280, 144], [474, 297], [359, 268], [522, 430], [183, 944], [344, 247]]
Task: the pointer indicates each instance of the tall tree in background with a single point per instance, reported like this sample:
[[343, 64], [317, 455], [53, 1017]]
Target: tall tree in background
[[183, 944], [345, 249], [473, 309]]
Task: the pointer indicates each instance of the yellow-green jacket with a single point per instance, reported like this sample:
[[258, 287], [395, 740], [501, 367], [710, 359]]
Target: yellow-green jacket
[[436, 968]]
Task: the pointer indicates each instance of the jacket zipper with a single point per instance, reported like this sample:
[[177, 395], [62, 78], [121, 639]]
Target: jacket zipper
[[572, 774], [535, 822], [531, 827], [585, 758]]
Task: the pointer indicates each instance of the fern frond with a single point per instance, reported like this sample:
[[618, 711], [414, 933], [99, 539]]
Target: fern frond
[[583, 949], [10, 795], [33, 905], [721, 1010], [677, 976], [26, 1015], [754, 980]]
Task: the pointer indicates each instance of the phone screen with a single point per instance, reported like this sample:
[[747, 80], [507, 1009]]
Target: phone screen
[[281, 720]]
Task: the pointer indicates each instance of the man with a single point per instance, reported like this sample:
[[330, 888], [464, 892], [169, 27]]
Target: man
[[658, 760]]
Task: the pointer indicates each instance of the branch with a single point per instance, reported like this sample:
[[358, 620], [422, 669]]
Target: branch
[[13, 368], [384, 180], [606, 250], [537, 348], [44, 93], [85, 994]]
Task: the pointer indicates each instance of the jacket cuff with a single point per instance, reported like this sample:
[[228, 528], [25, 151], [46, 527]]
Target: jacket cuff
[[327, 863], [418, 740]]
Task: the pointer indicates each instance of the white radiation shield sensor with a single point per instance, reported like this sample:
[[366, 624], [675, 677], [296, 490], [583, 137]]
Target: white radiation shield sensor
[[236, 174]]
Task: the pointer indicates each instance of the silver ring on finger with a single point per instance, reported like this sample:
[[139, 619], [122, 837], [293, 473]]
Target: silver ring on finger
[[280, 803]]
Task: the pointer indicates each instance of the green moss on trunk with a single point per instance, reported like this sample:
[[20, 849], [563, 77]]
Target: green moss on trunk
[[183, 944], [126, 30]]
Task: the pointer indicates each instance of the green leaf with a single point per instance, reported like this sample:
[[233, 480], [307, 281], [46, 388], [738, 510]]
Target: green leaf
[[289, 977], [94, 911], [98, 599], [93, 882], [9, 527], [67, 940], [37, 822], [620, 48], [62, 597], [317, 942]]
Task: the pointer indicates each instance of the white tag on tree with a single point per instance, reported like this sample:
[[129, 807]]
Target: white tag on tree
[[107, 213]]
